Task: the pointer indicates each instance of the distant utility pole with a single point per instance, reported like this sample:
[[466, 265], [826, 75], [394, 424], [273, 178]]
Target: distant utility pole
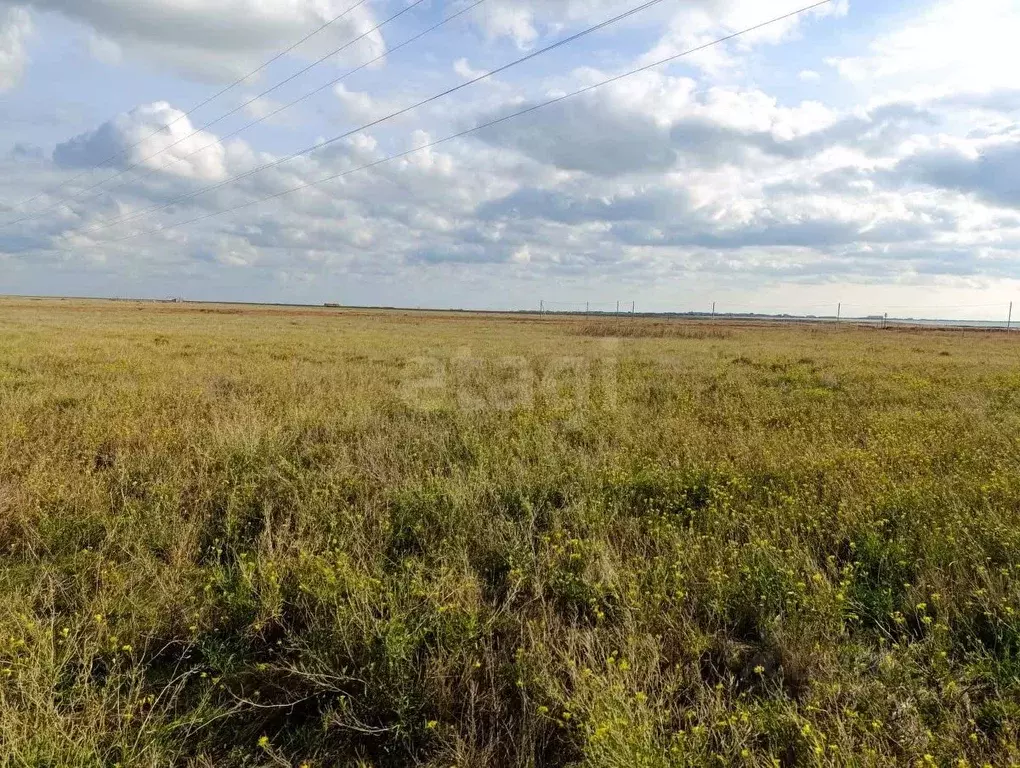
[[839, 311], [632, 304], [885, 319], [618, 309], [541, 306], [1009, 318], [586, 306], [713, 309]]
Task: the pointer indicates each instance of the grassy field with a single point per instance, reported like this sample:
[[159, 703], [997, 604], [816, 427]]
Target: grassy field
[[279, 537]]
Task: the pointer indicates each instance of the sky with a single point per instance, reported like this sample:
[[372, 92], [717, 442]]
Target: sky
[[861, 153]]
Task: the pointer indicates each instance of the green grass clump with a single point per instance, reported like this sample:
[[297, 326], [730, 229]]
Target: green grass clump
[[268, 537]]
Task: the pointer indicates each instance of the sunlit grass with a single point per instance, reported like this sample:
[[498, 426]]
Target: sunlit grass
[[237, 536]]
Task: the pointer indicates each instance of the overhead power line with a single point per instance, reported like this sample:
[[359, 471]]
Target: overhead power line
[[262, 118], [83, 194], [374, 123], [197, 107], [488, 124]]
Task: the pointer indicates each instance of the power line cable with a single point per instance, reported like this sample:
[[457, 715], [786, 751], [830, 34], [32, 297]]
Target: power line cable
[[379, 121], [488, 124], [197, 107], [81, 195], [290, 104]]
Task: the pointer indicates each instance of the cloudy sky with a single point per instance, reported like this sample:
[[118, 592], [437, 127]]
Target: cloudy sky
[[863, 152]]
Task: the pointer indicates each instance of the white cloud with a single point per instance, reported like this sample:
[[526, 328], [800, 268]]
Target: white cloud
[[217, 40], [260, 108], [656, 122], [727, 180], [357, 105], [506, 20], [656, 180], [156, 136], [465, 70], [232, 252], [949, 46], [692, 24], [15, 27], [808, 76], [702, 22]]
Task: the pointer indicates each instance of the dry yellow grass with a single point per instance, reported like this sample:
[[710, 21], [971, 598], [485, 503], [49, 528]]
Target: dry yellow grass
[[273, 536]]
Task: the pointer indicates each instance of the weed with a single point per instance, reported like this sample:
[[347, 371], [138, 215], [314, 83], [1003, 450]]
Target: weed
[[226, 539]]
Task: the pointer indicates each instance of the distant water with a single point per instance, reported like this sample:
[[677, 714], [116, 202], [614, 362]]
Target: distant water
[[946, 323], [925, 321]]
